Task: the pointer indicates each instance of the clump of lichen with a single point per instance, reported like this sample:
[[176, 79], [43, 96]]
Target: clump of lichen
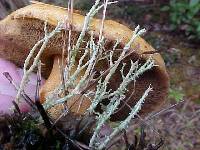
[[70, 131]]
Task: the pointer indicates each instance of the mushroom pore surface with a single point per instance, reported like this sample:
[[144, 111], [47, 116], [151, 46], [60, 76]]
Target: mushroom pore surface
[[23, 28]]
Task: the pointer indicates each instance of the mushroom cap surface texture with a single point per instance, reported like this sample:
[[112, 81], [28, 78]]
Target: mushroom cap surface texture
[[23, 28]]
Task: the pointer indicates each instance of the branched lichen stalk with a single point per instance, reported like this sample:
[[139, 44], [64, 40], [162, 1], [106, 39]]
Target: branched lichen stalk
[[117, 96], [93, 11], [44, 43], [124, 124], [102, 89], [89, 64], [86, 23]]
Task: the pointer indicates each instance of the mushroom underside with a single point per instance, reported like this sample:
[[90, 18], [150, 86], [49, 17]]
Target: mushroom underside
[[154, 78], [18, 36]]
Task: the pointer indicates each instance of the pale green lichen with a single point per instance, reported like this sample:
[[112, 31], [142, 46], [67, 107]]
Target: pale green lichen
[[92, 53], [42, 44]]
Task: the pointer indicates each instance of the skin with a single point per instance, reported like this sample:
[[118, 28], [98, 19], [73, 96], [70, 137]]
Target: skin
[[7, 90]]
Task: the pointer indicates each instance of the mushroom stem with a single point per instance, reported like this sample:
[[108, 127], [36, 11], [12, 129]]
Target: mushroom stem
[[82, 103], [53, 80]]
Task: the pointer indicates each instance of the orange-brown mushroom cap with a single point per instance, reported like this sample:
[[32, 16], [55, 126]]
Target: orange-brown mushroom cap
[[23, 28]]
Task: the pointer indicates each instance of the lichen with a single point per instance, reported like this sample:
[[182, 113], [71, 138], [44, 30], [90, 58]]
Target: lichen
[[92, 54]]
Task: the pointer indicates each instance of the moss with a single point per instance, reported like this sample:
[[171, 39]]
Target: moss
[[20, 131]]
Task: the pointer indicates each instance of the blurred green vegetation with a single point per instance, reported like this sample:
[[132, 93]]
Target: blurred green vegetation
[[177, 95], [184, 15]]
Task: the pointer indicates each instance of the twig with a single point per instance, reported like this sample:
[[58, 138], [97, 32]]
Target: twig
[[40, 107], [162, 111], [24, 95]]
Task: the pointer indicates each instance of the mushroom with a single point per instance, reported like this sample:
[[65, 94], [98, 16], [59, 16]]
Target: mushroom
[[23, 28]]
